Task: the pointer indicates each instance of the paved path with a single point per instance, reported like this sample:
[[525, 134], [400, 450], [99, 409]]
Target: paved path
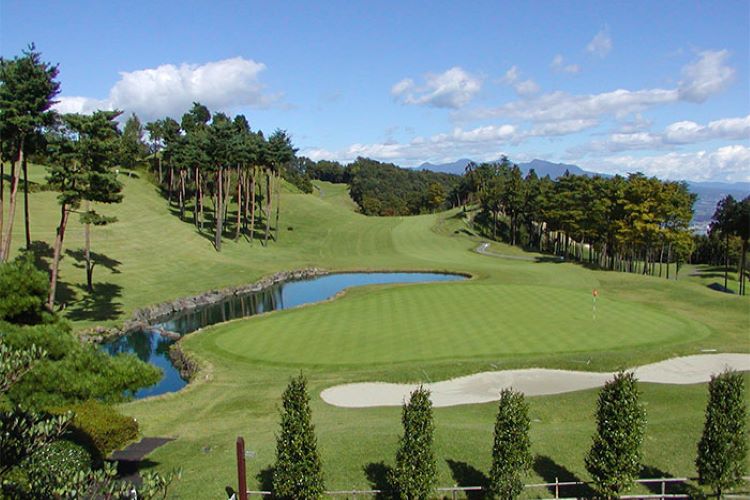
[[129, 459], [486, 386], [484, 249]]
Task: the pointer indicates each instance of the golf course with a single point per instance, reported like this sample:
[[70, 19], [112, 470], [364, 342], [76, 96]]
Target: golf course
[[517, 310]]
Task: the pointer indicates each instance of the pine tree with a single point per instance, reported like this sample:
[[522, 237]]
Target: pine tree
[[413, 476], [615, 456], [722, 450], [511, 457], [298, 472]]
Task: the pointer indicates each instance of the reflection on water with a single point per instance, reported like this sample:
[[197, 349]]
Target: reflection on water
[[151, 347]]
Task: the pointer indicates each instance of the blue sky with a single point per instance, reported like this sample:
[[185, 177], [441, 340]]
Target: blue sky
[[660, 87]]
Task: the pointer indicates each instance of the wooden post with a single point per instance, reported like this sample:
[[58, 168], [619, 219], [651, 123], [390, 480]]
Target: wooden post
[[241, 472], [557, 488], [663, 488]]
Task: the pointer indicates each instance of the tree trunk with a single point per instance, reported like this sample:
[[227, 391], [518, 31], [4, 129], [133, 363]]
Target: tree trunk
[[196, 203], [742, 267], [669, 257], [26, 204], [161, 177], [56, 256], [240, 180], [5, 250], [277, 185], [171, 183], [182, 194], [268, 207], [2, 206], [200, 201], [87, 252], [252, 204], [726, 260], [218, 210]]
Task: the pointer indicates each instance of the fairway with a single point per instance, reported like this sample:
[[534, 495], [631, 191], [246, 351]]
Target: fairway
[[424, 323], [513, 313]]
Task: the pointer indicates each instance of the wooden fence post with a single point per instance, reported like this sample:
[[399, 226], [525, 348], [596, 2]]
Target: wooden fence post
[[557, 488], [241, 471]]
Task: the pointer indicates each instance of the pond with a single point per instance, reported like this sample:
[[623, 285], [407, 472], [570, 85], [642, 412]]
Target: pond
[[152, 347]]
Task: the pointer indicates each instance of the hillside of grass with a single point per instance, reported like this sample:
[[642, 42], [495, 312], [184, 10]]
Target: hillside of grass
[[513, 313]]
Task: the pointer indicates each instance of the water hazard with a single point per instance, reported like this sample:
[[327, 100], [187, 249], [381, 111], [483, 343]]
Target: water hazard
[[152, 347]]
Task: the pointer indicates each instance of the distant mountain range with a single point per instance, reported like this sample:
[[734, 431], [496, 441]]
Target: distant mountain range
[[709, 193]]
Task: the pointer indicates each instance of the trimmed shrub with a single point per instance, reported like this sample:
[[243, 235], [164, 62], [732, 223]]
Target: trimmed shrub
[[614, 460], [511, 457], [298, 472], [722, 450], [100, 427], [414, 474]]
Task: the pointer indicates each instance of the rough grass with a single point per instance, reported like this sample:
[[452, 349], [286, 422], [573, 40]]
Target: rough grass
[[514, 313]]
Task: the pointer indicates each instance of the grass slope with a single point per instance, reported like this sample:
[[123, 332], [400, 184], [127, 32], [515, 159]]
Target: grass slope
[[514, 313]]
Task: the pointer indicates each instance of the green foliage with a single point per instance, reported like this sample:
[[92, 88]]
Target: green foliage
[[100, 427], [511, 456], [132, 148], [72, 371], [722, 450], [48, 470], [27, 90], [297, 472], [413, 476], [385, 189], [23, 291], [614, 459]]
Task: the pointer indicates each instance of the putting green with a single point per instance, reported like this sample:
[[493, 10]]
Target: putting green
[[418, 323]]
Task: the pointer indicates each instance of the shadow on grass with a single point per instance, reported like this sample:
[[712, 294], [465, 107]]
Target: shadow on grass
[[43, 253], [720, 288], [99, 305], [468, 475], [265, 478], [671, 488], [97, 258], [552, 472], [377, 474]]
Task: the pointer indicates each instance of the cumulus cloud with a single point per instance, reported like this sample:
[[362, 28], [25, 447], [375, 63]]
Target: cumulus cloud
[[601, 44], [481, 143], [705, 77], [170, 90], [453, 88], [523, 88], [558, 65], [702, 78], [678, 133], [728, 163]]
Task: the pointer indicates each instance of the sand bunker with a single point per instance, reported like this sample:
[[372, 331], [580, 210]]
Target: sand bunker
[[486, 386]]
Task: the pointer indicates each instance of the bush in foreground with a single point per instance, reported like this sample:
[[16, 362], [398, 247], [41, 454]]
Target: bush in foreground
[[614, 460], [298, 472], [511, 457], [722, 450], [413, 476]]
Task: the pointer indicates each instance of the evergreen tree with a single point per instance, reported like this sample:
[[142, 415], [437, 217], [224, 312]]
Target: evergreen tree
[[298, 472], [23, 291], [132, 147], [413, 476], [27, 90], [81, 152], [615, 456], [511, 457], [722, 450]]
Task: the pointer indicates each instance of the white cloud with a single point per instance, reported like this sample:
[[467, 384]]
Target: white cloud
[[452, 89], [170, 90], [705, 77], [481, 143], [728, 163], [558, 65], [702, 78], [601, 44], [678, 133], [564, 127], [523, 88]]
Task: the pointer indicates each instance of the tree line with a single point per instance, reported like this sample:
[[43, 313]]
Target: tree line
[[613, 460], [634, 223], [726, 243], [386, 189]]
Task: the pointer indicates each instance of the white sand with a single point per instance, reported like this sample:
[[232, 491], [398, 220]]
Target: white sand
[[486, 386]]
